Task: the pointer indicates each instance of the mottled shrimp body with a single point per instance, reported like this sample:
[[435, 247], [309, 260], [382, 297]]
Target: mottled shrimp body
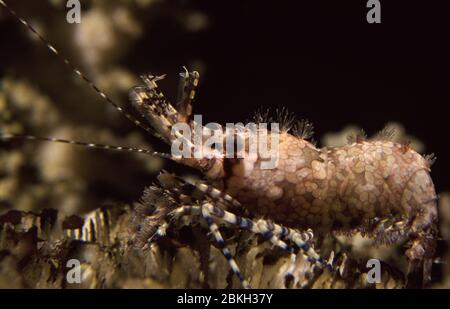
[[380, 188], [336, 189]]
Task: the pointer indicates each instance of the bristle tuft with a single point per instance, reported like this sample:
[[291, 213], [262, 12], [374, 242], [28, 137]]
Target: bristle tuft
[[386, 134], [430, 158], [303, 129]]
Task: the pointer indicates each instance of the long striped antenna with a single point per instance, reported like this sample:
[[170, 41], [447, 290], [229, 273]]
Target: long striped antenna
[[8, 136], [78, 72]]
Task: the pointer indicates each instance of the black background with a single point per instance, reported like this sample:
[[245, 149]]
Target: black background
[[298, 298], [319, 58], [323, 61]]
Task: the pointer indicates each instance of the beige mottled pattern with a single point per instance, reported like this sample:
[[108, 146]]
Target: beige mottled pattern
[[343, 188]]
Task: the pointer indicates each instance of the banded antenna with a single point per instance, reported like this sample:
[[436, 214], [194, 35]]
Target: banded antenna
[[87, 145], [7, 136]]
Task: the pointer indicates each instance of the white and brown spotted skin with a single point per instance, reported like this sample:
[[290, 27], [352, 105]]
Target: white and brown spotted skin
[[336, 188], [351, 188]]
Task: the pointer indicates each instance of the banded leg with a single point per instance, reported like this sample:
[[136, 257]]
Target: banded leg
[[206, 214], [275, 233], [229, 218], [217, 195], [267, 229], [204, 189]]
